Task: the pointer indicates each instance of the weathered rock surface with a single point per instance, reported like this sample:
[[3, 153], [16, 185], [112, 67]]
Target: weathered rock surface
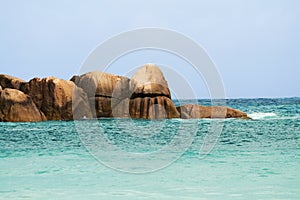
[[198, 111], [12, 82], [101, 84], [107, 93], [149, 81], [15, 106], [152, 108], [151, 98], [54, 97]]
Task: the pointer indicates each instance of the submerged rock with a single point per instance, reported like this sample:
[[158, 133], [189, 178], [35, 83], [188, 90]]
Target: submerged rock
[[54, 97], [198, 111], [151, 98], [15, 106]]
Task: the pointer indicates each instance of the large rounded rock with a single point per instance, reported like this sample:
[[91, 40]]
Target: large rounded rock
[[101, 84], [107, 93], [15, 106], [149, 81], [151, 98], [54, 97], [7, 81], [198, 111]]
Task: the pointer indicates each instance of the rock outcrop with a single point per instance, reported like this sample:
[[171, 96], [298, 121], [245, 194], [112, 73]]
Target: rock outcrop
[[150, 95], [146, 95], [7, 81], [197, 111], [54, 97], [97, 94], [15, 106], [107, 93]]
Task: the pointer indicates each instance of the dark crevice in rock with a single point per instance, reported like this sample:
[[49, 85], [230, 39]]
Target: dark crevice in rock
[[105, 96], [134, 95]]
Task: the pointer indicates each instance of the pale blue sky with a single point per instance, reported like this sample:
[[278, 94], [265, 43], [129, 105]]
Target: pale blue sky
[[254, 44]]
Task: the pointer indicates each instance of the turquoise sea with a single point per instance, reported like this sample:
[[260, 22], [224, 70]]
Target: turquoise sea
[[252, 159]]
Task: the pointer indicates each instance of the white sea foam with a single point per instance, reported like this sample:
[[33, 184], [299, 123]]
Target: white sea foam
[[261, 115]]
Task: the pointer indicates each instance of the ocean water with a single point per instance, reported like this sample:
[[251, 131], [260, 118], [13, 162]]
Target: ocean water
[[250, 159]]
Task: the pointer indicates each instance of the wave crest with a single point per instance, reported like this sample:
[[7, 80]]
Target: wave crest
[[261, 115]]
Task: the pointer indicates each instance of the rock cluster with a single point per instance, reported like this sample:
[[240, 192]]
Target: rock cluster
[[41, 99], [97, 94]]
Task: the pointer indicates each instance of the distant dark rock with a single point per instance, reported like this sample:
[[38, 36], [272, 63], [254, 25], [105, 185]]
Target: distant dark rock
[[74, 78], [15, 106]]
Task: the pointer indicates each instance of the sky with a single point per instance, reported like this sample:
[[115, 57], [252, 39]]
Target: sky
[[255, 45]]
